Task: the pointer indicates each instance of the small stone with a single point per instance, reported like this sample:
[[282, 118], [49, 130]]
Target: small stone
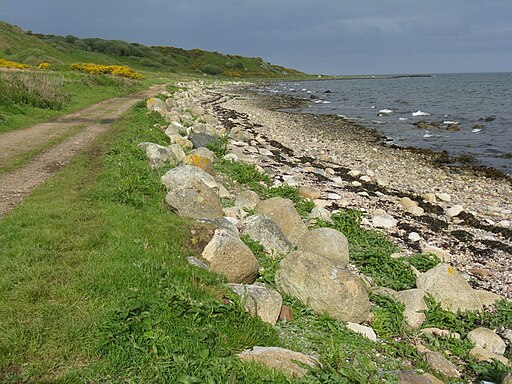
[[247, 199], [480, 272], [454, 211], [430, 198], [503, 224], [482, 354], [320, 213], [444, 197], [366, 179], [356, 184], [309, 193], [333, 196], [367, 332], [438, 332], [414, 237], [384, 221], [442, 254], [286, 313], [260, 301], [354, 173]]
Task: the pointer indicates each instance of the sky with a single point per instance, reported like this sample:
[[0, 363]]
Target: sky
[[340, 37]]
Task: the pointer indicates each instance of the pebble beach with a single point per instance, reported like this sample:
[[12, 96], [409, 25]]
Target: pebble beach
[[464, 215]]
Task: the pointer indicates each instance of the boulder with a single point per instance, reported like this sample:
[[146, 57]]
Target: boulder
[[487, 297], [200, 140], [199, 160], [247, 199], [414, 305], [194, 199], [326, 242], [320, 213], [263, 229], [507, 379], [482, 354], [290, 362], [182, 141], [260, 301], [159, 155], [156, 105], [410, 377], [227, 255], [180, 175], [323, 286], [177, 151], [238, 133], [487, 339], [441, 364], [283, 213], [449, 288]]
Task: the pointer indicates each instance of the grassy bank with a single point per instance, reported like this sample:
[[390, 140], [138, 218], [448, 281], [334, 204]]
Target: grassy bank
[[95, 287]]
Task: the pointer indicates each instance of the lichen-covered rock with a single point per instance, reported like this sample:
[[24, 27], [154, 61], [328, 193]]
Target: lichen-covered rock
[[322, 285], [180, 175], [449, 288], [290, 362], [326, 242], [263, 302], [263, 229], [156, 105], [227, 255], [194, 199], [283, 213]]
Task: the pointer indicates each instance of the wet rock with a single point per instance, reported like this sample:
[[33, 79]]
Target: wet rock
[[326, 242], [323, 286], [283, 213], [264, 230], [227, 255], [488, 339], [449, 288], [260, 301], [290, 362]]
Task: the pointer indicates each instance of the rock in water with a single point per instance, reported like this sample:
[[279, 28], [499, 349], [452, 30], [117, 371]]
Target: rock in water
[[449, 288], [323, 286], [228, 255], [260, 301], [290, 362], [283, 213], [194, 199], [326, 242]]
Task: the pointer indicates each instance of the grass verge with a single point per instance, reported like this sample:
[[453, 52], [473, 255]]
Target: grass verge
[[95, 287]]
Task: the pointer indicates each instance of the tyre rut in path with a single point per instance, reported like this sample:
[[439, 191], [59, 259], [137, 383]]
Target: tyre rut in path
[[97, 118]]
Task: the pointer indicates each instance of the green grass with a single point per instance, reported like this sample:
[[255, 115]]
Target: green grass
[[244, 174], [95, 287]]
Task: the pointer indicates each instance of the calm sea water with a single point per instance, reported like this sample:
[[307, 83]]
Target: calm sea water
[[480, 105]]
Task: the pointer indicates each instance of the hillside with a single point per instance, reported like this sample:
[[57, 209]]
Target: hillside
[[31, 48]]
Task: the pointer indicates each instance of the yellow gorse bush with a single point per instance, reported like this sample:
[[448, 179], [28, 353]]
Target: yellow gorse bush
[[44, 65], [115, 70], [12, 64]]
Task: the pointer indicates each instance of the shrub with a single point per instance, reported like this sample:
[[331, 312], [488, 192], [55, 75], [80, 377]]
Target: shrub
[[43, 65], [210, 69], [114, 70], [12, 64]]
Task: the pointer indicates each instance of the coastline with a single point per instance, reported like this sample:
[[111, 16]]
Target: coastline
[[350, 163]]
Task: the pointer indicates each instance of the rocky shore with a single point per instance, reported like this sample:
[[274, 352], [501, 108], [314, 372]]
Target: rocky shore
[[268, 189], [466, 213]]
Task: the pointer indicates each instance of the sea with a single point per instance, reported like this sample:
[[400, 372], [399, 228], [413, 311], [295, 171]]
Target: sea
[[467, 115]]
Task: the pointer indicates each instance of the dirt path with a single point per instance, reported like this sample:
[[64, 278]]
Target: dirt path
[[97, 118]]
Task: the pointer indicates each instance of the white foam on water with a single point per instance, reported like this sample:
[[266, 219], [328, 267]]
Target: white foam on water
[[448, 122], [403, 118], [427, 135], [420, 113], [386, 111], [326, 102], [476, 130]]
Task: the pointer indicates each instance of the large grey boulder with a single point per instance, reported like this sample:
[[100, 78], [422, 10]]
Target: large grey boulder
[[326, 242], [449, 288], [263, 302], [200, 140], [488, 339], [195, 199], [414, 306], [159, 155], [322, 285], [180, 175], [227, 255], [157, 105], [290, 362], [263, 229], [283, 213]]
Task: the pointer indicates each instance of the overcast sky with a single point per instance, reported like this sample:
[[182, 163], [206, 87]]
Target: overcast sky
[[328, 37]]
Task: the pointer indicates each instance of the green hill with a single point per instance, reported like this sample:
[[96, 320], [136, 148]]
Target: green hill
[[31, 48]]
